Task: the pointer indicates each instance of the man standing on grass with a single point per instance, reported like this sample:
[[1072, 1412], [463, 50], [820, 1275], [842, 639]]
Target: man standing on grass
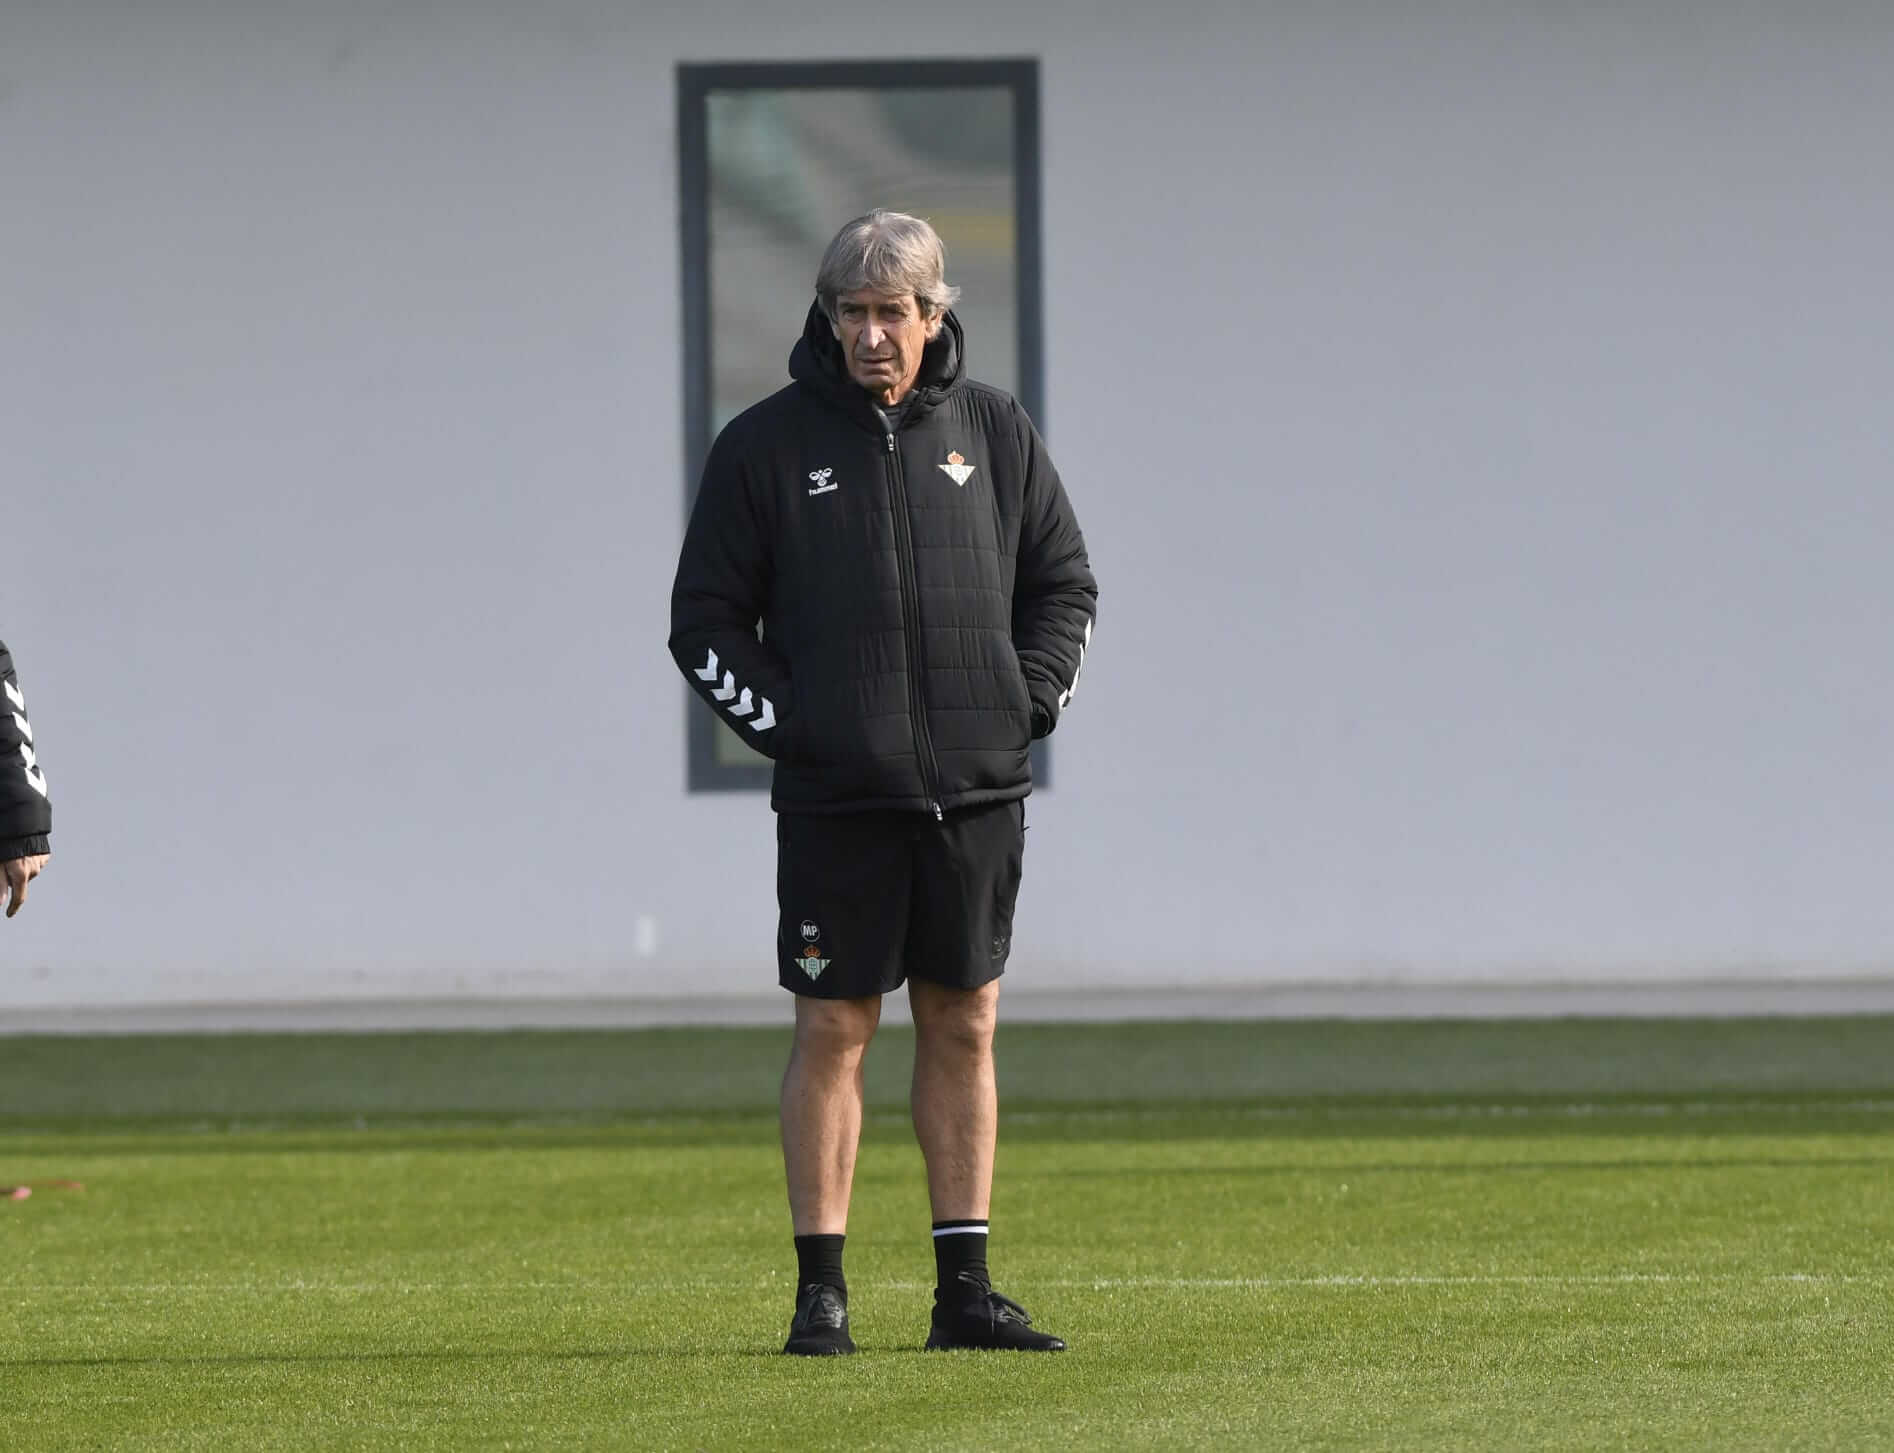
[[26, 813], [901, 538]]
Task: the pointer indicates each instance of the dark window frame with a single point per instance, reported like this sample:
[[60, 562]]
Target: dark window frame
[[695, 82]]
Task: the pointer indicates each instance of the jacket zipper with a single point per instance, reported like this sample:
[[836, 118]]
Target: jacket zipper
[[911, 621]]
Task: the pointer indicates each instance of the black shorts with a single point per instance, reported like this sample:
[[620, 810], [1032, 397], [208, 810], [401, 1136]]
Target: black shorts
[[869, 899]]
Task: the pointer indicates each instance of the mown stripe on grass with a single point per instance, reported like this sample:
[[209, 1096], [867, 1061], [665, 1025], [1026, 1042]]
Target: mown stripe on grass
[[1453, 1110], [1130, 1283]]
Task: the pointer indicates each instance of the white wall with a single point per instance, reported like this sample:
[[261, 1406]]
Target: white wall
[[1477, 415]]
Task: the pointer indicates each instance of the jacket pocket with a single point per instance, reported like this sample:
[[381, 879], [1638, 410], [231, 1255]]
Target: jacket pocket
[[1018, 693], [784, 747]]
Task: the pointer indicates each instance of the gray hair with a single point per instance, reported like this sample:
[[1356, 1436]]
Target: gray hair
[[886, 252]]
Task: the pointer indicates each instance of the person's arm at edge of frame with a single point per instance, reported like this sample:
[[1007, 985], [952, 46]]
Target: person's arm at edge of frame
[[26, 811], [1055, 597]]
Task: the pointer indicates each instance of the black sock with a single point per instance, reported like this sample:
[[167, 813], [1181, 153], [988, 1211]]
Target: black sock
[[819, 1262], [960, 1255]]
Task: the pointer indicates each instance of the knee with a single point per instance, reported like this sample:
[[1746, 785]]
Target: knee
[[835, 1030], [959, 1024]]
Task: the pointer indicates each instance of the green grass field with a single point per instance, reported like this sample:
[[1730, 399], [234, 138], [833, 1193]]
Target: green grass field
[[1574, 1234]]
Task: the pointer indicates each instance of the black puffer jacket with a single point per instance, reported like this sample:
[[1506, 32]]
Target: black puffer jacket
[[924, 595], [26, 815]]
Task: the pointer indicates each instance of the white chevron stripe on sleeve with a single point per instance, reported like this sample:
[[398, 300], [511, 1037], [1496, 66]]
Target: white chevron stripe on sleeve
[[1079, 670], [25, 726], [13, 695], [741, 704]]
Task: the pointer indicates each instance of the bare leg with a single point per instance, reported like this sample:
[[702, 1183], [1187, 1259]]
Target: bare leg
[[954, 1099], [822, 1109]]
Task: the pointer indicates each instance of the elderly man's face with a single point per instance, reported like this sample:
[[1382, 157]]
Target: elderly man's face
[[882, 336]]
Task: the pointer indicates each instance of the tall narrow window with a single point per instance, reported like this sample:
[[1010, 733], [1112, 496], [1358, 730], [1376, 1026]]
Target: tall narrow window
[[773, 160]]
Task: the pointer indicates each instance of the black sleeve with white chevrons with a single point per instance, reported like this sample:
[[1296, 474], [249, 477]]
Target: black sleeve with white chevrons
[[26, 812], [722, 586], [1055, 598]]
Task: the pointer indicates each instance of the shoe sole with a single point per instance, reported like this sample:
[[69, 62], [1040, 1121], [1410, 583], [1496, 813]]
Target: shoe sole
[[817, 1349]]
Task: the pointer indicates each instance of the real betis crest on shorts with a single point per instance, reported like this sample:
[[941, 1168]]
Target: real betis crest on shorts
[[810, 960]]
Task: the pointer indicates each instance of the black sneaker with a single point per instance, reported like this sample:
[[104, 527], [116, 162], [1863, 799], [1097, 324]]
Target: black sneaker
[[820, 1328], [984, 1318]]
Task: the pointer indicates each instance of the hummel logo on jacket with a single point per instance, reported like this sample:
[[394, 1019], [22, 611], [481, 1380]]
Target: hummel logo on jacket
[[924, 616]]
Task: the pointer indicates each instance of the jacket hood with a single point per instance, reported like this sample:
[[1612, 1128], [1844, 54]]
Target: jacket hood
[[817, 361]]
